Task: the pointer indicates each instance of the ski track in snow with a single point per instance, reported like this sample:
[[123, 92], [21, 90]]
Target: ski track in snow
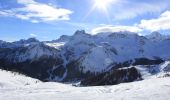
[[20, 87]]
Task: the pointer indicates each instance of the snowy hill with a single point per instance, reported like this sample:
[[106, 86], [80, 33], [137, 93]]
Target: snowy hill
[[18, 87], [80, 56], [13, 80]]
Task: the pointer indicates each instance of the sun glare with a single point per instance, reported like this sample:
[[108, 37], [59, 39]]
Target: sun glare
[[102, 4]]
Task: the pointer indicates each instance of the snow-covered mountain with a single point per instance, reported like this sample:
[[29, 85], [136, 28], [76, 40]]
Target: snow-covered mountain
[[156, 36], [80, 56]]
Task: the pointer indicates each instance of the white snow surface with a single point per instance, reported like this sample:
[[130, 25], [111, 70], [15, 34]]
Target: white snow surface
[[19, 87], [160, 70], [56, 45], [101, 55], [10, 79]]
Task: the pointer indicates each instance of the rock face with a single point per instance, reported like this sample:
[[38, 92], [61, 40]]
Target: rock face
[[85, 57]]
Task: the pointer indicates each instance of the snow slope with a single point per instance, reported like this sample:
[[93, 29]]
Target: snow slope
[[150, 71], [14, 80], [13, 87]]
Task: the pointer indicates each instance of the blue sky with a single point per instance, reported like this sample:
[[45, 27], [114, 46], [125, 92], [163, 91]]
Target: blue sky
[[49, 19]]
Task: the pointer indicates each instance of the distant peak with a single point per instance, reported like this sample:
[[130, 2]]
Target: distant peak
[[155, 33], [156, 36], [1, 41], [124, 33], [63, 38], [32, 40], [113, 34], [29, 40], [80, 32]]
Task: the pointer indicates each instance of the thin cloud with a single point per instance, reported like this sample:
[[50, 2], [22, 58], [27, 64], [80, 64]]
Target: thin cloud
[[160, 23], [156, 24], [33, 35], [37, 12], [110, 28]]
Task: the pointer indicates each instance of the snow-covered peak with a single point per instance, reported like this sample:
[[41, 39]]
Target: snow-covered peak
[[97, 59], [120, 34], [80, 37], [39, 50], [23, 43], [4, 44], [103, 34], [123, 34], [63, 38], [30, 40], [156, 36], [80, 32], [31, 52], [2, 41]]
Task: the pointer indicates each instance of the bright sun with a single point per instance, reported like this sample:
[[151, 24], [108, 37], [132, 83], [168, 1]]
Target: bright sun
[[102, 4]]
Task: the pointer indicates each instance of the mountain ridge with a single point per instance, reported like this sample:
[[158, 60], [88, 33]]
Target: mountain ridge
[[82, 55]]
